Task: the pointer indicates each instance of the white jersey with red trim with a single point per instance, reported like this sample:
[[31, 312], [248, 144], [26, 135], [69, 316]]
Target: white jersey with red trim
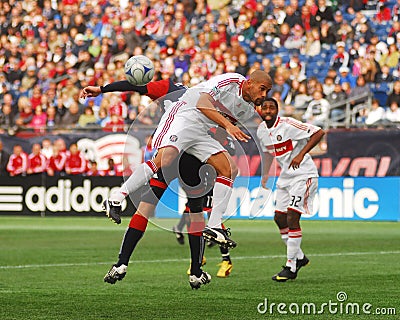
[[284, 140], [226, 90]]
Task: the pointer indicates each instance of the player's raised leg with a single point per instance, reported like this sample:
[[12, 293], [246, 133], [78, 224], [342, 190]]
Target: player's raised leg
[[226, 172], [140, 176], [136, 230]]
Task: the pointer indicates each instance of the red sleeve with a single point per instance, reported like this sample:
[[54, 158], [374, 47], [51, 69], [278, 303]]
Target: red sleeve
[[157, 89]]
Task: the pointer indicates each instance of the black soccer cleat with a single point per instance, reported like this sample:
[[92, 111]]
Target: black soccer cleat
[[115, 274], [113, 210], [285, 275], [179, 235], [196, 282], [219, 236], [300, 263]]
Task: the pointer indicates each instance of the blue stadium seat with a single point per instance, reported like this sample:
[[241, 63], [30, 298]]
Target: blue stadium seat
[[381, 92]]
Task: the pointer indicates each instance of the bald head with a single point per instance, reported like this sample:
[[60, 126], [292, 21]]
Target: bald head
[[256, 88], [261, 76]]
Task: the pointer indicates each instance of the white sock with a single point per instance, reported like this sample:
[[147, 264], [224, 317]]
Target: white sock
[[222, 193], [293, 246], [139, 177], [284, 235]]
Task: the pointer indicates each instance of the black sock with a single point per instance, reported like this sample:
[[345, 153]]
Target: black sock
[[183, 221], [131, 239], [196, 253], [225, 254]]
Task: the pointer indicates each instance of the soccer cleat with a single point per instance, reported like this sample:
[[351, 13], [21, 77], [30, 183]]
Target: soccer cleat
[[196, 282], [115, 274], [211, 244], [284, 275], [219, 236], [225, 269], [179, 235], [300, 263], [203, 263], [113, 210]]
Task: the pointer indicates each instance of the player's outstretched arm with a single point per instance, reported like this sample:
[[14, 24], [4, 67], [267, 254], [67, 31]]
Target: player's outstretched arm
[[312, 142], [206, 106], [118, 86]]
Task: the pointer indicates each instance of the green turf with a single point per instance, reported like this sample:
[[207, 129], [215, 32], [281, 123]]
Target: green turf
[[62, 262]]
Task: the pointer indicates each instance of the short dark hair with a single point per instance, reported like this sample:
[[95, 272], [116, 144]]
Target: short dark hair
[[273, 101]]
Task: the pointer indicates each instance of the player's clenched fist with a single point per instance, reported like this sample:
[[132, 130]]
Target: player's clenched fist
[[90, 91]]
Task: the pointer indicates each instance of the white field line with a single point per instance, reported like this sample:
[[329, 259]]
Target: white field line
[[338, 254]]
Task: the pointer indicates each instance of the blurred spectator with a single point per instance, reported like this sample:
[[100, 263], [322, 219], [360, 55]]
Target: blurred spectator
[[4, 156], [327, 35], [75, 163], [302, 98], [39, 119], [393, 113], [313, 43], [116, 124], [18, 162], [336, 99], [71, 116], [47, 148], [6, 118], [36, 161], [93, 170], [56, 163], [391, 58], [147, 151], [280, 86], [385, 75], [317, 112], [111, 169], [395, 94], [292, 17], [383, 14], [296, 40], [87, 118], [340, 59], [361, 89], [376, 114], [25, 114], [324, 12], [346, 76]]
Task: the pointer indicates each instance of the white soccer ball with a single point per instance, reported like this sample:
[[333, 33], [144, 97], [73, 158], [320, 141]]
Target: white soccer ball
[[139, 70]]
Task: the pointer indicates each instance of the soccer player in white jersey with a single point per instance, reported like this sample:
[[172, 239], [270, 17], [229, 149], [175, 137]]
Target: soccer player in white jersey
[[289, 141], [223, 100]]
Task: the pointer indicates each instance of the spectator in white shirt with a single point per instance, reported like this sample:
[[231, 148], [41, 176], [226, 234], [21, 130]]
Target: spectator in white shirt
[[317, 112], [376, 114], [393, 113]]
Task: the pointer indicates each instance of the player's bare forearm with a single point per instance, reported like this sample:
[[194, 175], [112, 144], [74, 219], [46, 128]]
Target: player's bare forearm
[[312, 142], [206, 105], [268, 159]]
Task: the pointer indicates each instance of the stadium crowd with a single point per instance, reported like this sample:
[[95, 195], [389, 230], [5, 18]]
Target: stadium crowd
[[318, 52]]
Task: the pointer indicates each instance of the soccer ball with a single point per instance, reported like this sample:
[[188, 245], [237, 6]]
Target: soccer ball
[[139, 70]]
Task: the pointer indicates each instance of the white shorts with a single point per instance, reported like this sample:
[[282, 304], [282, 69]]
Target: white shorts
[[183, 130], [297, 197]]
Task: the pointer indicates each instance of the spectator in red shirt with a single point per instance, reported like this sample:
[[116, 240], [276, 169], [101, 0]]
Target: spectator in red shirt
[[116, 124], [56, 164], [18, 162], [93, 170], [36, 161], [383, 13], [76, 163]]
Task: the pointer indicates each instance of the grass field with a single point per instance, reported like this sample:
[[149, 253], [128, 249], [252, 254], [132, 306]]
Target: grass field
[[53, 268]]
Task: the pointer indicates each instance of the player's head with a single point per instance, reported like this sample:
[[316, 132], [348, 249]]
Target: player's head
[[257, 87], [269, 111]]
